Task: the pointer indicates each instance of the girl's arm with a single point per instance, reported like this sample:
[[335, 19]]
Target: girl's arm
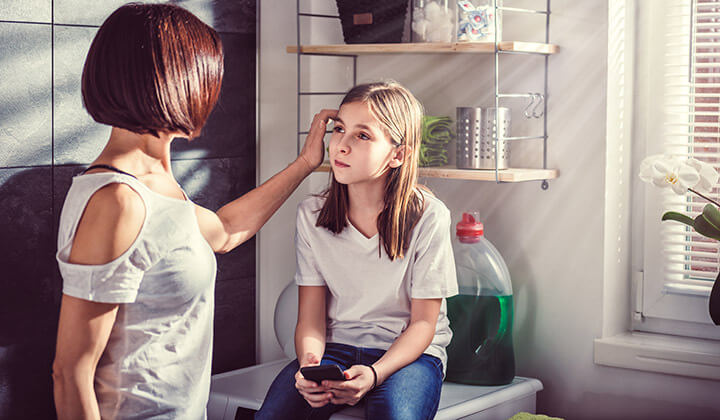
[[405, 350], [413, 341], [239, 220], [310, 341], [310, 329]]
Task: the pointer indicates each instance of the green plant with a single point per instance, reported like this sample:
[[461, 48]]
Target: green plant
[[696, 177], [436, 134]]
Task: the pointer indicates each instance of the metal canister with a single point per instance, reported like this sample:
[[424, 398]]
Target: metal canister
[[478, 133]]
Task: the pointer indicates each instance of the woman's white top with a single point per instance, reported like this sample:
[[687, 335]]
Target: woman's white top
[[157, 360], [369, 300]]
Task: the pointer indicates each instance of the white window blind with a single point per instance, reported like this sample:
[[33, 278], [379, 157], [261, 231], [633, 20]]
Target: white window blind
[[680, 265], [692, 109]]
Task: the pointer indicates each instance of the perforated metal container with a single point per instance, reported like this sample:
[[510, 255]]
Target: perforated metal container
[[477, 129]]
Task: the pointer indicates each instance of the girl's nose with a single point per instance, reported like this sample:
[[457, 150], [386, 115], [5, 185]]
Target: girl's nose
[[343, 146]]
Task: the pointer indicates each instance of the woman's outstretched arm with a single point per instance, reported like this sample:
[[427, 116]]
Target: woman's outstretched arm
[[240, 219]]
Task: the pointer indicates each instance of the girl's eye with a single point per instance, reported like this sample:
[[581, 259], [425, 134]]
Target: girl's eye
[[338, 129], [364, 136]]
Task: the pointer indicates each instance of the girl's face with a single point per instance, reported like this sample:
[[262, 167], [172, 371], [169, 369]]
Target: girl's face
[[360, 148]]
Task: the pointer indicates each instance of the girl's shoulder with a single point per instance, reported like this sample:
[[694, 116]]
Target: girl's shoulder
[[433, 208], [311, 204], [308, 210]]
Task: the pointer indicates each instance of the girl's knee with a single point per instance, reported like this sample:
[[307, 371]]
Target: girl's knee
[[402, 410]]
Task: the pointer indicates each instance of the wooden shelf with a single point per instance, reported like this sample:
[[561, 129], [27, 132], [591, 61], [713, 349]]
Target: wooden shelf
[[428, 48], [505, 175]]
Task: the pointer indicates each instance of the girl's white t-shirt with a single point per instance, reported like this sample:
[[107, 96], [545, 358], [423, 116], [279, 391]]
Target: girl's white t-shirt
[[370, 295], [157, 360]]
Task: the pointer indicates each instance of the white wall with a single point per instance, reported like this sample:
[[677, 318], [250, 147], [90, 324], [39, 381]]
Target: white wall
[[552, 240]]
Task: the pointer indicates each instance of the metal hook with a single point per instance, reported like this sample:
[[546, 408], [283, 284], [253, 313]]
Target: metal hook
[[527, 108], [541, 99]]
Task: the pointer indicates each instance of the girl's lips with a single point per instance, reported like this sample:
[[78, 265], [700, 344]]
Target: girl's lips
[[341, 165]]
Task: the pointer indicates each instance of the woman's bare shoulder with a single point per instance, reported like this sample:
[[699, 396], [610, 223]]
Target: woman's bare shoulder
[[110, 223]]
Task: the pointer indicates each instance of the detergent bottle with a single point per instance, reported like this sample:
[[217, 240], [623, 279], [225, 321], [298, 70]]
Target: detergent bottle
[[481, 315]]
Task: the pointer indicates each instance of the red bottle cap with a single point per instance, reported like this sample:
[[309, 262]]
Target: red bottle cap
[[468, 227]]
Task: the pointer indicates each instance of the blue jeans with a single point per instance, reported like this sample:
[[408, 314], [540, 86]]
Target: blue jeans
[[411, 393]]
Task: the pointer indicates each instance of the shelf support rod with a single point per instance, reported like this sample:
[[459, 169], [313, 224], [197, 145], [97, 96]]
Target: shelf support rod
[[545, 184], [497, 93]]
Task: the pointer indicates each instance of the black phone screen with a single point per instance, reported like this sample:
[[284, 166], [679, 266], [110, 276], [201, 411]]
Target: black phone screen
[[323, 372]]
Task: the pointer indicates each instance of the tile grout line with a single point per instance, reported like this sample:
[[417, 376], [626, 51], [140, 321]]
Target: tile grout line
[[51, 23], [83, 25], [27, 22]]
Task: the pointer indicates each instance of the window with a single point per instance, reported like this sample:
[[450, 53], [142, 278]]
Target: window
[[656, 274], [679, 107]]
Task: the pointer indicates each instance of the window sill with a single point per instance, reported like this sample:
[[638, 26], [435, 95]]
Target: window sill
[[660, 353]]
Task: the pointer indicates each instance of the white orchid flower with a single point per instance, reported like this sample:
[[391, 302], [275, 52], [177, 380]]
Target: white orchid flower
[[708, 175], [667, 171]]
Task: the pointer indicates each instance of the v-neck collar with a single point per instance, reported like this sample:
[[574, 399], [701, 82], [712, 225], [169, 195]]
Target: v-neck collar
[[359, 234]]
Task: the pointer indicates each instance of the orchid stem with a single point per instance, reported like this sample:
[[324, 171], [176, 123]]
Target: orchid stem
[[707, 198]]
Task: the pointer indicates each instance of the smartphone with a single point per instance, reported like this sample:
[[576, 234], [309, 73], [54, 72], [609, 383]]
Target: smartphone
[[322, 372]]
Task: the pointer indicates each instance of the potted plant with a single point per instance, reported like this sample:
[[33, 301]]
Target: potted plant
[[698, 178]]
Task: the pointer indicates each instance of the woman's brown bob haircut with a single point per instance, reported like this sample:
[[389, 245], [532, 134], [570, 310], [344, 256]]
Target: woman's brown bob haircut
[[153, 68]]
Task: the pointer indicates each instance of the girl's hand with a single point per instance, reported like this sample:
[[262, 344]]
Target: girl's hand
[[316, 395], [360, 382], [313, 150]]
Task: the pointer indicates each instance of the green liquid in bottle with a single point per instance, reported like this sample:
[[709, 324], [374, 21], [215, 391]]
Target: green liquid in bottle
[[481, 351]]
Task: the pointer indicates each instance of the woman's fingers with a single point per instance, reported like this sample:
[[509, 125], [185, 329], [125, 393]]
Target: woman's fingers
[[313, 150]]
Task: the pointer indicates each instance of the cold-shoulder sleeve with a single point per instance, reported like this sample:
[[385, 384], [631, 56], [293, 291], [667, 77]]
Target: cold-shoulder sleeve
[[117, 281]]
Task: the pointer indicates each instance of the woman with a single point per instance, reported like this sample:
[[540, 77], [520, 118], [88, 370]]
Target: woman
[[375, 265], [136, 255]]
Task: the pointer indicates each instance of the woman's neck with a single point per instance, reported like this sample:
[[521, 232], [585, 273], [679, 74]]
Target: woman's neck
[[138, 154]]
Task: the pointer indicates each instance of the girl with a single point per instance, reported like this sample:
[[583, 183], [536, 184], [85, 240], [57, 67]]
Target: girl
[[136, 255], [375, 265]]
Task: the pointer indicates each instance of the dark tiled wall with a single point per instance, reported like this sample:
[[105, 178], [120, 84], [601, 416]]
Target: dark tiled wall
[[46, 137]]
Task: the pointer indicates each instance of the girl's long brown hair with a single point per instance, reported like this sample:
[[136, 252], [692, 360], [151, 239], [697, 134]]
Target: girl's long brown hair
[[400, 113]]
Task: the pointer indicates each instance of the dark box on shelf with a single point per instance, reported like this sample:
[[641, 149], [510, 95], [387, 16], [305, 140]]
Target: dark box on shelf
[[372, 21]]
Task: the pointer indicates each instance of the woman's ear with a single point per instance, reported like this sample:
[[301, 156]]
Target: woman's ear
[[399, 156]]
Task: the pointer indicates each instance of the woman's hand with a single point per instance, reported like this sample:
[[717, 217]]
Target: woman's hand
[[317, 396], [360, 382], [313, 150]]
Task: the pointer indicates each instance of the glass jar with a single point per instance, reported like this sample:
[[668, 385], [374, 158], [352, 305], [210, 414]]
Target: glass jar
[[476, 21], [434, 20]]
